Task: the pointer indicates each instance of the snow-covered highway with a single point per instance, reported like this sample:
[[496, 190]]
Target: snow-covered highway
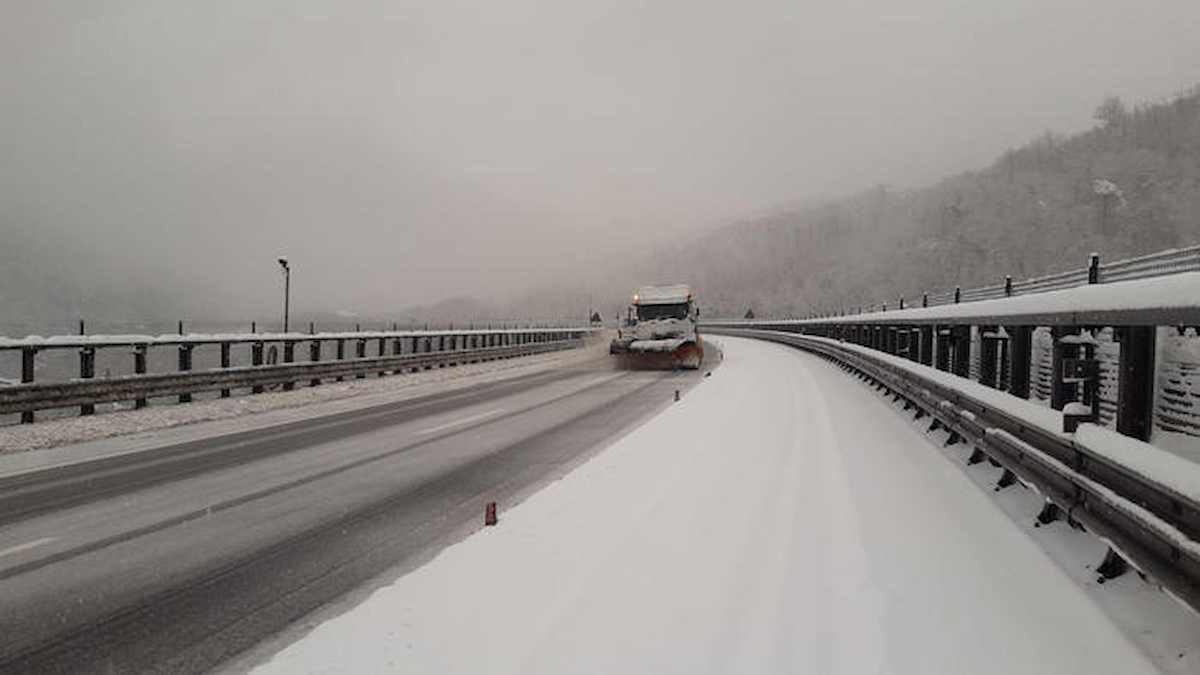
[[780, 518]]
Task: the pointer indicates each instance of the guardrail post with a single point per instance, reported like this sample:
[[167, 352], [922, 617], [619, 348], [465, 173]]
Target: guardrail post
[[314, 355], [382, 353], [185, 364], [1063, 392], [139, 368], [1022, 353], [225, 363], [256, 359], [1094, 268], [961, 340], [87, 371], [360, 352], [289, 356], [28, 366], [341, 354], [957, 294], [1135, 381], [988, 343], [927, 345]]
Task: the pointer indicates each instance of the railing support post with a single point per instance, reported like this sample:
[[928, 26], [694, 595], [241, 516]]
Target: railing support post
[[185, 364], [28, 367], [341, 354], [988, 373], [139, 368], [927, 345], [360, 351], [314, 355], [226, 361], [1063, 392], [1021, 345], [256, 359], [961, 339], [289, 356], [1135, 381], [87, 371]]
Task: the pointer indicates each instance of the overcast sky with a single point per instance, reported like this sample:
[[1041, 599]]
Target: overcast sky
[[400, 152]]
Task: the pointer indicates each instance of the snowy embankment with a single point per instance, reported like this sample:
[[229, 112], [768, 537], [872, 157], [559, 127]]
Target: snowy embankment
[[780, 518], [118, 420]]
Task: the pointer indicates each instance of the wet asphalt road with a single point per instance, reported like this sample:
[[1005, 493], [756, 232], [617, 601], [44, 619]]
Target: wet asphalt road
[[180, 559]]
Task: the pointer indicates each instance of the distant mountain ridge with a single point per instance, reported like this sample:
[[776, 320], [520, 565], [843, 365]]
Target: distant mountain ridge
[[1129, 186]]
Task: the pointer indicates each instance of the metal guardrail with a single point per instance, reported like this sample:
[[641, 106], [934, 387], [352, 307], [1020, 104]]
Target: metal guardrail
[[1144, 521], [1161, 263], [426, 350]]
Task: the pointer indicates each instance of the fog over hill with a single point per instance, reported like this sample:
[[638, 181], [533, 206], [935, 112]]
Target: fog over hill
[[1130, 185]]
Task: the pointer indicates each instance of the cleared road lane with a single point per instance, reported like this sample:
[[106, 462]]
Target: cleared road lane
[[179, 560]]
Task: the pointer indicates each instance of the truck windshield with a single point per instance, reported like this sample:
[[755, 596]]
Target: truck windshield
[[651, 312]]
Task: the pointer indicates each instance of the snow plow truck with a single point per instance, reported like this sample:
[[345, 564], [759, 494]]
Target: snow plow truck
[[659, 330]]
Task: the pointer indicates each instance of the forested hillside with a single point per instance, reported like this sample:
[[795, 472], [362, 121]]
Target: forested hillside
[[1130, 185]]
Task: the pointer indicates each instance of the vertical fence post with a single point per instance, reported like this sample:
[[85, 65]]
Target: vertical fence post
[[256, 359], [139, 368], [226, 350], [1135, 381], [28, 367], [1008, 285], [1094, 268], [289, 356], [185, 364], [1063, 392], [942, 361], [962, 350], [927, 345], [988, 343], [957, 294], [87, 371], [1022, 355], [341, 354], [314, 355], [360, 352], [382, 353]]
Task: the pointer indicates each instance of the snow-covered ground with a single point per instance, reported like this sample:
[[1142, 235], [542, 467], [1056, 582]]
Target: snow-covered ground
[[780, 518], [120, 420]]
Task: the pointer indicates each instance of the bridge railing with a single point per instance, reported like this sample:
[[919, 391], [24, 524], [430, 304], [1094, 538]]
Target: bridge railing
[[1162, 263], [1065, 388], [1142, 501], [274, 359]]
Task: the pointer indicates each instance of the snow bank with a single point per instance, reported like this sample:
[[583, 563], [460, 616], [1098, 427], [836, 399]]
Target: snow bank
[[780, 518], [1177, 292], [1164, 466]]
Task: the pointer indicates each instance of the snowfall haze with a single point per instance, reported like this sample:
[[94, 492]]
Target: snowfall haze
[[404, 153]]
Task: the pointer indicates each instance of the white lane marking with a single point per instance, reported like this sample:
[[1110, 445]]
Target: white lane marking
[[460, 422], [26, 546]]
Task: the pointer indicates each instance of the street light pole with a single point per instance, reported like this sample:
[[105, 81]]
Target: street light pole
[[287, 289]]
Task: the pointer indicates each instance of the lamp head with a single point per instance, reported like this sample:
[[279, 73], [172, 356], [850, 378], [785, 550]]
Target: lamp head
[[283, 262]]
